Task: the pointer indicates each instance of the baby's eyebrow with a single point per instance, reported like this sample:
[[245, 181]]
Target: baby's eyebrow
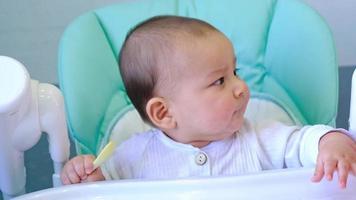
[[217, 72], [221, 69]]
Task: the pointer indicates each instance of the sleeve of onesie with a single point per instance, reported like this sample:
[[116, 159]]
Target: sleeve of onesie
[[307, 149], [303, 145], [292, 146]]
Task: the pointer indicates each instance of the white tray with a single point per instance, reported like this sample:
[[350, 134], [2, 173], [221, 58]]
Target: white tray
[[286, 184]]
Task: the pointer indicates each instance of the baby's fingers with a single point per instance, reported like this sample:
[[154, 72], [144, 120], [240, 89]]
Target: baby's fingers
[[69, 175], [88, 164], [330, 167], [96, 175], [79, 169], [353, 168], [64, 178], [319, 171], [343, 170]]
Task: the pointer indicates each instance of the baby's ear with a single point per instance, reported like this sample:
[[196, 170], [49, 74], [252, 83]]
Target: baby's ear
[[158, 111]]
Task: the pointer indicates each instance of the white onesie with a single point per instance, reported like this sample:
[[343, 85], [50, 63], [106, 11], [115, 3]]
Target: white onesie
[[261, 144]]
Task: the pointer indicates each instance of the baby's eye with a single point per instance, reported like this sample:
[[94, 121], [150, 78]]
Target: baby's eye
[[236, 70], [220, 81]]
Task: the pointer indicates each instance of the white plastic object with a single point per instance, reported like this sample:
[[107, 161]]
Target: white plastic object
[[27, 108], [291, 184], [352, 118]]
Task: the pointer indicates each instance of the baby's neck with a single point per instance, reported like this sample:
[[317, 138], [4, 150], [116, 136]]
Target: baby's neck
[[195, 143], [200, 144]]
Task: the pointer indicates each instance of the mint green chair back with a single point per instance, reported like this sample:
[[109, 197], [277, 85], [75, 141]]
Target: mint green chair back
[[284, 48]]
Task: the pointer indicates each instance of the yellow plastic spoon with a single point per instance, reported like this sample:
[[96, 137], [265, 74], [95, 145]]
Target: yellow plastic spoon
[[104, 154]]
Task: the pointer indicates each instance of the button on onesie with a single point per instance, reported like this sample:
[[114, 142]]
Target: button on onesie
[[201, 158]]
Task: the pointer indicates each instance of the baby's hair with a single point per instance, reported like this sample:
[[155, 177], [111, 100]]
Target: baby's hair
[[144, 56]]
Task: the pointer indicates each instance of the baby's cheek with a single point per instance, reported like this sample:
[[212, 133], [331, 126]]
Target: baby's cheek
[[220, 117]]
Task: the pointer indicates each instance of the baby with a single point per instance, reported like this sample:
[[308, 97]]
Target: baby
[[180, 74]]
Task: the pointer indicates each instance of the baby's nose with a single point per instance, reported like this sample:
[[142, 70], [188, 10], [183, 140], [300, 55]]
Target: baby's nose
[[238, 91]]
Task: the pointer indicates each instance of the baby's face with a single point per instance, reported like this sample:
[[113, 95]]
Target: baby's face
[[209, 100]]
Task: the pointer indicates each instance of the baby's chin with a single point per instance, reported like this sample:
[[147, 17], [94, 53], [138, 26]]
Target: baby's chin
[[236, 125], [237, 119]]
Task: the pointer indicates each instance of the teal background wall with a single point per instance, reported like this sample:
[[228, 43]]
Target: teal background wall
[[30, 30]]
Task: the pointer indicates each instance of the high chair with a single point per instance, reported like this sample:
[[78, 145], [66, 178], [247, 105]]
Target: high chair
[[285, 53], [284, 49]]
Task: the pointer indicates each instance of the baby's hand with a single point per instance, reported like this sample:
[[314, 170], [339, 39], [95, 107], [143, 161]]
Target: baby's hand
[[337, 152], [80, 169]]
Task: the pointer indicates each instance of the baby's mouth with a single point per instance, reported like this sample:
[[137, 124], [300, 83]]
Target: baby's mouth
[[240, 109]]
